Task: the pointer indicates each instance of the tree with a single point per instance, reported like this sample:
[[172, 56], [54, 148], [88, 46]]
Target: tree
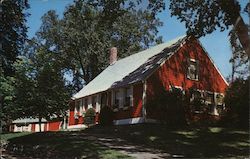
[[239, 58], [204, 16], [237, 103], [6, 97], [13, 32], [87, 31], [46, 93]]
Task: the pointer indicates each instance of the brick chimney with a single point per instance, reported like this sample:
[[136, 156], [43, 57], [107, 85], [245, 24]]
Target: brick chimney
[[112, 55]]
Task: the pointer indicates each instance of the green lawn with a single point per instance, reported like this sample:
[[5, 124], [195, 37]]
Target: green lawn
[[57, 145], [189, 142], [5, 137]]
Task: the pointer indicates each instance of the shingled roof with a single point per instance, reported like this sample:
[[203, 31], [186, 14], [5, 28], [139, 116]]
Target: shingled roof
[[131, 69]]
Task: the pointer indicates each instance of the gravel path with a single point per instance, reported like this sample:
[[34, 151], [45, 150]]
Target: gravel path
[[136, 151]]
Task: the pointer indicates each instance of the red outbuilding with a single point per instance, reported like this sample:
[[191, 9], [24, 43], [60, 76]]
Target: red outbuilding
[[32, 125], [127, 84]]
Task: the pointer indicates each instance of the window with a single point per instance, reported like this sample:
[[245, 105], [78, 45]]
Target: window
[[116, 98], [77, 109], [197, 101], [219, 99], [81, 107], [77, 106], [127, 96], [94, 102], [219, 103], [209, 98], [103, 100], [86, 104], [193, 69]]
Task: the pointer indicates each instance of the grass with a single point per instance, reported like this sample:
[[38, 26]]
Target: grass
[[59, 145], [188, 142], [6, 137]]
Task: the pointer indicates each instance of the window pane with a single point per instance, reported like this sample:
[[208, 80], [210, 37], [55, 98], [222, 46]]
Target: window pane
[[192, 71]]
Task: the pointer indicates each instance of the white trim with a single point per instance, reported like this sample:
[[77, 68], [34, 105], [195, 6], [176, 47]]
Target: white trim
[[212, 62], [178, 87], [129, 121], [196, 62], [193, 60], [151, 121], [125, 108], [79, 126], [144, 99], [131, 95]]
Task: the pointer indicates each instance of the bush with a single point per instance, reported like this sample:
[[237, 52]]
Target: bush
[[168, 107], [237, 103], [106, 116], [90, 116]]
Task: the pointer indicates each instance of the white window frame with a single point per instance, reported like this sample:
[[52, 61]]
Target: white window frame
[[94, 97], [197, 69], [81, 107], [130, 90], [77, 109], [115, 109]]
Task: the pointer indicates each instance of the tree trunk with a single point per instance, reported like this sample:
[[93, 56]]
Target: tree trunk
[[241, 29], [242, 33]]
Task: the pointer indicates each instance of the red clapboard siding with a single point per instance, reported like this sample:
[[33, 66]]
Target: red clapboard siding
[[173, 71], [71, 118], [54, 126], [33, 127]]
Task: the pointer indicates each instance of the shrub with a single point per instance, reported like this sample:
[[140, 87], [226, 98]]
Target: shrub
[[90, 112], [106, 116], [90, 116], [168, 107], [237, 103]]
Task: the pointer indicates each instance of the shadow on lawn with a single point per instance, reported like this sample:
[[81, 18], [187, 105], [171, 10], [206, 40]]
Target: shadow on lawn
[[58, 145], [209, 142], [97, 142]]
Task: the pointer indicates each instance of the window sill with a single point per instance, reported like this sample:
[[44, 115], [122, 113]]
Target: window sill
[[115, 110], [125, 108], [198, 112], [192, 79], [215, 114]]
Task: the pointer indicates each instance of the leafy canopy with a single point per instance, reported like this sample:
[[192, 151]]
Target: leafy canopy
[[89, 28]]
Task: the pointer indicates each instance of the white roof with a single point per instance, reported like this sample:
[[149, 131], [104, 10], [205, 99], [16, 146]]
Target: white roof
[[122, 68], [28, 120]]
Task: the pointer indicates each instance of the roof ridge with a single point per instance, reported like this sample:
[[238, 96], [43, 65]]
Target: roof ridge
[[157, 45]]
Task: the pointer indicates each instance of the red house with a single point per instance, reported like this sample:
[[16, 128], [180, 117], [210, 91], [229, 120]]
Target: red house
[[127, 84]]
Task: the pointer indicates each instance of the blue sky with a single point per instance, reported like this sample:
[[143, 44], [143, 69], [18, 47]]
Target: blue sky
[[216, 44]]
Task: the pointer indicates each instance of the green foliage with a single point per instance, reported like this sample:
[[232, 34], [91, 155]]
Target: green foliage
[[6, 98], [237, 103], [89, 117], [84, 35], [37, 90], [13, 32], [106, 116], [239, 60], [203, 17], [90, 112], [169, 106]]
